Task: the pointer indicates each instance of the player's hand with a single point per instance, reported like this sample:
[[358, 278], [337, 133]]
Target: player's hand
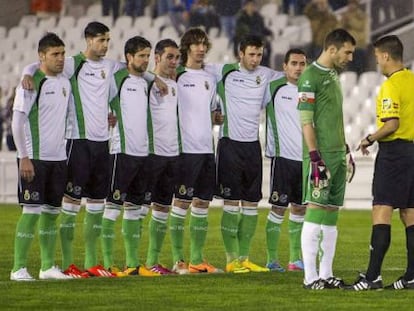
[[218, 118], [161, 86], [364, 144], [350, 165], [26, 169], [319, 172], [111, 119], [28, 83]]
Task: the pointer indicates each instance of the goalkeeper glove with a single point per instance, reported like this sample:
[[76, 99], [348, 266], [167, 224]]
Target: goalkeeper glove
[[319, 172], [350, 165]]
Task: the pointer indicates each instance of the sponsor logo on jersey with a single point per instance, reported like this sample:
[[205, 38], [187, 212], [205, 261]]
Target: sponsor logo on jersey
[[188, 85], [49, 92]]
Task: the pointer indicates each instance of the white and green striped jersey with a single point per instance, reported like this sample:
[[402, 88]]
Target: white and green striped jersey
[[163, 120], [241, 97], [129, 102], [196, 101], [46, 109], [88, 117], [283, 128]]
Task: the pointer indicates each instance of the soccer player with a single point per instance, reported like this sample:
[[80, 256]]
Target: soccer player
[[39, 118], [324, 165], [197, 171], [129, 155], [393, 182], [241, 89], [164, 149], [284, 147]]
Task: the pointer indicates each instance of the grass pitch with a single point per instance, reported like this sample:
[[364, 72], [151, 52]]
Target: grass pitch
[[251, 291]]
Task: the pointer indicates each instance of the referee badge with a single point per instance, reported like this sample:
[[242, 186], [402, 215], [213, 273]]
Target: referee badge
[[64, 92], [173, 91], [103, 75], [206, 85], [258, 80], [26, 195]]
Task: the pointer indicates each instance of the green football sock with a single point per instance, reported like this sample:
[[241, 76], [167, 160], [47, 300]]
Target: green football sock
[[157, 231], [272, 236], [25, 230], [107, 239], [66, 231], [247, 228], [47, 237], [198, 234], [176, 226], [92, 230], [229, 229], [131, 231], [295, 230]]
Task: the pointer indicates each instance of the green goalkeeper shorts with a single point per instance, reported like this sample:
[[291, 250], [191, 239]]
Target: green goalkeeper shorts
[[333, 194]]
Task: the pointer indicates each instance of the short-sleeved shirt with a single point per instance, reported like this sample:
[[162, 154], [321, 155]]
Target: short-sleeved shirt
[[395, 100], [241, 94], [320, 92], [284, 132], [46, 110], [129, 101], [196, 101], [163, 120]]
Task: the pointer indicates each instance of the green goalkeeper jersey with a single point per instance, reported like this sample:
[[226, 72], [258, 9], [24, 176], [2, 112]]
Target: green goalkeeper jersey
[[320, 92]]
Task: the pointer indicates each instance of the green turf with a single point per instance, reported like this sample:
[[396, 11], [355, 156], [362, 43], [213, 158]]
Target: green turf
[[251, 291]]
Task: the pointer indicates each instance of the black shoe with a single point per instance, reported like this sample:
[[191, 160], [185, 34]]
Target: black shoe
[[315, 285], [333, 283], [362, 284], [401, 283]]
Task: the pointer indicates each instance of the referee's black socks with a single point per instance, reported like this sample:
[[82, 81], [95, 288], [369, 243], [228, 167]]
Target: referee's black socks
[[380, 242]]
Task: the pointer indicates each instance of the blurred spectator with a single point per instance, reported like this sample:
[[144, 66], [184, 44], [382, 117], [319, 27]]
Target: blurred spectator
[[134, 8], [1, 118], [227, 10], [45, 8], [322, 21], [178, 12], [250, 22], [337, 4], [355, 21], [203, 14], [110, 5]]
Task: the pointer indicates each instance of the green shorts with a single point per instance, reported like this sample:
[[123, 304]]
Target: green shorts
[[334, 194]]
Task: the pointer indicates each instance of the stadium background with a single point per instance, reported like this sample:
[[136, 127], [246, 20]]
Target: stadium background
[[20, 31]]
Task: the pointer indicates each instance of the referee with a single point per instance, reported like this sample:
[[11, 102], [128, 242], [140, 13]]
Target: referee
[[393, 182]]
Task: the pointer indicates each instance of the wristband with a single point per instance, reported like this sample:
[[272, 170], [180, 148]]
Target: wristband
[[315, 156]]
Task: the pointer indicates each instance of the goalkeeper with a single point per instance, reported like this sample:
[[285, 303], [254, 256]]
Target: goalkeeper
[[324, 158]]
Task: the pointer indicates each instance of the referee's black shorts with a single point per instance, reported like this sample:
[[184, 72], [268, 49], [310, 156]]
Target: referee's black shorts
[[393, 182]]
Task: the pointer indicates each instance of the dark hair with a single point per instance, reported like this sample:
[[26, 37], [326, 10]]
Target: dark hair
[[293, 51], [250, 40], [134, 45], [338, 37], [163, 44], [50, 39], [94, 29], [192, 36], [392, 45]]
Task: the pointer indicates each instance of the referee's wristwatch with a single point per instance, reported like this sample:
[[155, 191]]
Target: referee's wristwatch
[[370, 141]]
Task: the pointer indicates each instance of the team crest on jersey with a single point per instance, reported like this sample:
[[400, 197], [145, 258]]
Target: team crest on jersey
[[182, 190], [173, 91], [206, 85], [117, 195], [103, 75], [26, 195], [69, 187], [258, 80], [64, 92]]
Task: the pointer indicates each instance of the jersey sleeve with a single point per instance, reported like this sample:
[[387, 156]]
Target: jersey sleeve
[[306, 92], [30, 69], [113, 90], [69, 68], [215, 70], [24, 100], [266, 97], [389, 103]]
